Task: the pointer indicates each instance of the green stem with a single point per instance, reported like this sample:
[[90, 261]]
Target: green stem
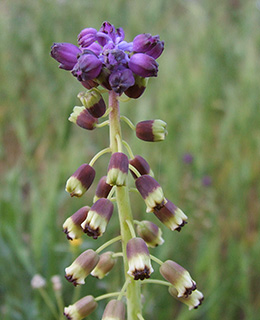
[[154, 281], [108, 243], [107, 295], [98, 155], [49, 302], [133, 293], [155, 259]]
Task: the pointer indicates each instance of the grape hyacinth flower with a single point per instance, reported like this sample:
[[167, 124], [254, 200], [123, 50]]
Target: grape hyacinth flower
[[103, 58]]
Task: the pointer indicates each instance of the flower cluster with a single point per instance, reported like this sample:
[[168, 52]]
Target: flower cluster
[[104, 57]]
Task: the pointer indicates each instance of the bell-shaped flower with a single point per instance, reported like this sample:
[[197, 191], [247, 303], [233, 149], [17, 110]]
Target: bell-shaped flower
[[178, 277], [103, 189], [93, 102], [150, 233], [193, 301], [83, 118], [171, 216], [80, 181], [151, 130], [138, 257], [72, 225], [117, 169], [104, 266], [66, 54], [141, 165], [115, 310], [143, 65], [98, 218], [81, 267], [81, 309], [151, 192]]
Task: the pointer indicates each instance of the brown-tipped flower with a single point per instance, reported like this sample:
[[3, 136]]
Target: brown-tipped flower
[[150, 233], [138, 88], [117, 169], [98, 218], [72, 226], [138, 259], [178, 277], [103, 189], [193, 301], [141, 165], [92, 100], [104, 266], [115, 310], [171, 216], [83, 118], [151, 192], [80, 309], [151, 130], [80, 181], [81, 267]]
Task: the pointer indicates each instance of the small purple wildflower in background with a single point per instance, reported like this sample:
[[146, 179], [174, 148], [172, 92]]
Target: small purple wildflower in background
[[187, 158], [206, 181], [104, 57]]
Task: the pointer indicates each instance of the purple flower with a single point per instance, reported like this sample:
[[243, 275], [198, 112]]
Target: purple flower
[[66, 54], [105, 58], [143, 65], [187, 158], [206, 181]]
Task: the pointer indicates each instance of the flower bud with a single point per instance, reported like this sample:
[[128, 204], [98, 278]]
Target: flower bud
[[81, 267], [178, 277], [151, 192], [81, 309], [93, 102], [151, 130], [72, 226], [115, 310], [66, 54], [136, 90], [193, 301], [138, 259], [171, 216], [86, 37], [150, 233], [88, 66], [103, 77], [103, 189], [146, 43], [117, 169], [80, 181], [83, 118], [143, 65], [98, 218], [104, 266], [121, 79], [141, 165]]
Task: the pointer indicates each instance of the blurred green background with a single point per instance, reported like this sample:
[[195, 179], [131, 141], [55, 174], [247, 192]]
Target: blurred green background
[[207, 91]]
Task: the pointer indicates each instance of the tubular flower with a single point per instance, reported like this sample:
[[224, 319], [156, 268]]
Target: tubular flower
[[171, 216], [193, 301], [141, 165], [103, 189], [81, 309], [71, 227], [104, 57], [138, 259], [151, 192], [93, 102], [117, 169], [80, 181], [81, 267], [151, 130], [178, 277], [115, 310], [104, 266], [83, 118], [98, 218], [150, 233]]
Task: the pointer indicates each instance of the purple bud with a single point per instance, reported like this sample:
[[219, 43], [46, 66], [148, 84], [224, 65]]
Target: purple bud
[[141, 165], [146, 43], [81, 308], [138, 88], [66, 54], [72, 226], [83, 118], [102, 189], [151, 130], [117, 169], [88, 66], [115, 310], [121, 80], [93, 102], [143, 65], [87, 37], [96, 48]]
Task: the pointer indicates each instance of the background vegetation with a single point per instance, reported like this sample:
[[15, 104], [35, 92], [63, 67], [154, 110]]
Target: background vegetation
[[208, 93]]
